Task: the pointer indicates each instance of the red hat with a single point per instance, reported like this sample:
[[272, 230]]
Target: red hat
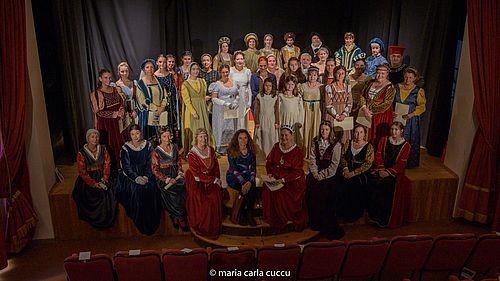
[[289, 35], [396, 50]]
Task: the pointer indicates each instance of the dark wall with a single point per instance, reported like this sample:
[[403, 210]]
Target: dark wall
[[109, 31]]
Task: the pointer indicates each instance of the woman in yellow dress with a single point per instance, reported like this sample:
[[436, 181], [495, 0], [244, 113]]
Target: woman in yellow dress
[[194, 111], [311, 92]]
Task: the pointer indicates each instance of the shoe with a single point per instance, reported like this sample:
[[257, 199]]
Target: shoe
[[251, 221]]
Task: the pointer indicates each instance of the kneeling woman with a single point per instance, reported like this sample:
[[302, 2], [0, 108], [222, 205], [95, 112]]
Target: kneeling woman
[[94, 191], [357, 159], [321, 187], [387, 185], [285, 163], [241, 173], [203, 188], [167, 168], [137, 190]]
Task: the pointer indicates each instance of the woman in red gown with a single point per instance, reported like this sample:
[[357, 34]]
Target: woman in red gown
[[388, 185], [203, 188], [376, 102], [108, 107], [285, 163]]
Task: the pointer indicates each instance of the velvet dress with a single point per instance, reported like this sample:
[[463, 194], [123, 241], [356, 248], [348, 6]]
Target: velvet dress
[[321, 195], [203, 196], [167, 164], [287, 203], [353, 192], [105, 106], [243, 169], [387, 205], [141, 202], [95, 206], [379, 101]]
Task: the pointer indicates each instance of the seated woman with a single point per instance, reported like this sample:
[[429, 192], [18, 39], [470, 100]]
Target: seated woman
[[357, 159], [321, 187], [285, 163], [241, 173], [203, 188], [94, 191], [137, 190], [167, 168], [386, 183]]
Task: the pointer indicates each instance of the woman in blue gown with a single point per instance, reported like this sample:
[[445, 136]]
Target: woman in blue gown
[[94, 191], [137, 190]]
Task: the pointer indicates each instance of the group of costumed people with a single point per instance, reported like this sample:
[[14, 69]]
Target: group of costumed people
[[196, 112]]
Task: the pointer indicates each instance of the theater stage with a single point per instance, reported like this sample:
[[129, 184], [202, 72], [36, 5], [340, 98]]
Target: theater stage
[[433, 189]]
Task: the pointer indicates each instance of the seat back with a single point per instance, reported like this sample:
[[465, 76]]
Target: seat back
[[185, 265], [280, 259], [143, 266], [485, 254], [406, 255], [98, 267], [233, 260], [321, 260], [449, 252], [364, 258]]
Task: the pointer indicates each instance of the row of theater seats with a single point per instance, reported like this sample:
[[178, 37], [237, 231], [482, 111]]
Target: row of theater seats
[[375, 259]]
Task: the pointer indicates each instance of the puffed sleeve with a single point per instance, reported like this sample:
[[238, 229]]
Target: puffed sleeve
[[367, 164], [82, 170], [155, 166], [421, 101], [385, 104], [186, 98], [107, 164], [126, 165], [332, 168]]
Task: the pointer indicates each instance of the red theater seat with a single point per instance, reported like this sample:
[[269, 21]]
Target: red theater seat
[[240, 258], [98, 267], [364, 258], [321, 260], [280, 260], [406, 255], [485, 254], [449, 252], [145, 266], [185, 265]]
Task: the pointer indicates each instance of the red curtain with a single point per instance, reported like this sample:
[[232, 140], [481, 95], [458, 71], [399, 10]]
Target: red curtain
[[14, 184], [479, 200]]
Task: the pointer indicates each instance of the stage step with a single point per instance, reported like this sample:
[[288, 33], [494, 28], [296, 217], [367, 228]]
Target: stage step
[[226, 240], [262, 228]]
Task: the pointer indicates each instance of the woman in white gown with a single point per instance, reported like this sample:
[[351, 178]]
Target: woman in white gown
[[241, 76]]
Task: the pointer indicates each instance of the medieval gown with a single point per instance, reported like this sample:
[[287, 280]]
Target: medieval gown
[[95, 206], [312, 113], [243, 169], [193, 96], [167, 164], [337, 102], [379, 101], [287, 203], [149, 98], [242, 80], [387, 205], [173, 103], [203, 196], [347, 57], [223, 128], [321, 193], [266, 116], [353, 192], [291, 113], [141, 202], [372, 63], [416, 100], [106, 106]]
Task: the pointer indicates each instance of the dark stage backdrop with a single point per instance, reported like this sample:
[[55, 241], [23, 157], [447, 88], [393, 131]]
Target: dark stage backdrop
[[76, 38]]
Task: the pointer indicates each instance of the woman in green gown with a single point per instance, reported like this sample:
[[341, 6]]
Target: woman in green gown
[[194, 111]]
